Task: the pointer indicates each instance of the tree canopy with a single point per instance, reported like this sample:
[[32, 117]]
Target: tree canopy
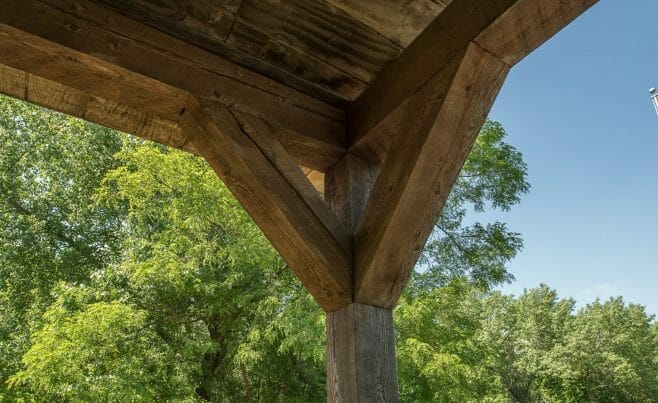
[[128, 272]]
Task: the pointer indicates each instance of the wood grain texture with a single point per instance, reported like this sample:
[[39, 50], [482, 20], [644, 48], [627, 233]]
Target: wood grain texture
[[153, 73], [184, 19], [262, 136], [296, 34], [273, 49], [398, 20], [361, 355], [71, 101], [209, 18], [528, 24], [441, 124], [445, 38], [273, 199]]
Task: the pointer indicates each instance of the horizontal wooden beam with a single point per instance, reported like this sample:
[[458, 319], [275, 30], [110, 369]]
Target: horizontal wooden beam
[[278, 197], [82, 45], [55, 96], [528, 24], [508, 29]]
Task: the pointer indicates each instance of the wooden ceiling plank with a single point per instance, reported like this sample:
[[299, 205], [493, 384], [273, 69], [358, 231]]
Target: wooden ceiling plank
[[210, 18], [259, 43], [293, 33], [186, 27], [273, 201]]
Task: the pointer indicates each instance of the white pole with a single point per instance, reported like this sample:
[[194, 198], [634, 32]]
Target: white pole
[[654, 98]]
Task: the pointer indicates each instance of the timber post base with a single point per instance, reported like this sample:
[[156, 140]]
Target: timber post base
[[361, 355]]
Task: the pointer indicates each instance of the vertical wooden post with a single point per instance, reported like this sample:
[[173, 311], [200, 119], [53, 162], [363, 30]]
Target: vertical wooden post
[[360, 338], [361, 355]]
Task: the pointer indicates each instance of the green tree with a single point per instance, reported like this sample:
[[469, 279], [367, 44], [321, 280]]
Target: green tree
[[494, 177], [439, 358], [188, 287], [50, 230], [518, 334], [608, 355]]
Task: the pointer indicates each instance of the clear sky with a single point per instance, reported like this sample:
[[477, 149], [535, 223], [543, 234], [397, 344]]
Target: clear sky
[[578, 109]]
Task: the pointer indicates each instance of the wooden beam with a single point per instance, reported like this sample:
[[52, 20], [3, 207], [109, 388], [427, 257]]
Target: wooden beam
[[509, 29], [84, 46], [440, 125], [316, 178], [528, 24], [421, 117], [276, 194], [361, 355], [55, 96]]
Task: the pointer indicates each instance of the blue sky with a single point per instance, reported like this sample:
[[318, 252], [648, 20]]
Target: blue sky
[[578, 109]]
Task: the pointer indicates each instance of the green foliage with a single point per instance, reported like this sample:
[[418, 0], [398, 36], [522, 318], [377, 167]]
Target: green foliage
[[607, 355], [50, 230], [438, 357], [128, 272], [103, 351], [494, 177], [458, 343]]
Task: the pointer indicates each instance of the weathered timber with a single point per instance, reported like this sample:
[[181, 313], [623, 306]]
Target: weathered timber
[[509, 29], [304, 35], [261, 134], [314, 251], [154, 73], [445, 38], [184, 20], [361, 355], [398, 20], [306, 44], [528, 24], [440, 125], [55, 96]]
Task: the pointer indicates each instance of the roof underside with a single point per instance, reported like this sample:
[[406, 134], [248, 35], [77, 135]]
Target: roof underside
[[329, 49]]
